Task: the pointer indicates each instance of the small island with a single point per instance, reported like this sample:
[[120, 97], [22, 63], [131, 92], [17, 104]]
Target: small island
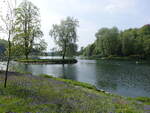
[[48, 61]]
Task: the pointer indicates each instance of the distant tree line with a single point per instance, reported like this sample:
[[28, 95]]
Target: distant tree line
[[112, 42]]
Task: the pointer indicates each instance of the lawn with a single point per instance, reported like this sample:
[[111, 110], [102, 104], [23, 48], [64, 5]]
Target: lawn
[[44, 94]]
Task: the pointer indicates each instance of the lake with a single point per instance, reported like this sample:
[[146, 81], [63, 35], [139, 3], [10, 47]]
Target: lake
[[126, 78]]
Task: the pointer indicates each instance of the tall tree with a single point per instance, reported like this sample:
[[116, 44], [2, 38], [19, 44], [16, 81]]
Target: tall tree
[[65, 34], [27, 26], [129, 41], [7, 20], [144, 36], [108, 41]]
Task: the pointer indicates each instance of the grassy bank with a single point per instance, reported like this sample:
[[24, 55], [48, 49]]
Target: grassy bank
[[44, 94], [48, 61]]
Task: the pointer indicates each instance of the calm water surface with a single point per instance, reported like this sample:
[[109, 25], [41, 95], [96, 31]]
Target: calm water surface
[[119, 77]]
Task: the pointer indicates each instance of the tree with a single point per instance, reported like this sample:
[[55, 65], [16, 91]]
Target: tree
[[7, 19], [144, 37], [27, 26], [89, 50], [38, 48], [80, 52], [65, 34], [131, 42], [71, 50], [127, 42], [108, 41], [16, 51]]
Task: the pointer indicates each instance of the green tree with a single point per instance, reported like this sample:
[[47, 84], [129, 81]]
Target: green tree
[[80, 52], [144, 37], [128, 41], [108, 41], [71, 50], [39, 48], [65, 34], [27, 26], [131, 42], [89, 50]]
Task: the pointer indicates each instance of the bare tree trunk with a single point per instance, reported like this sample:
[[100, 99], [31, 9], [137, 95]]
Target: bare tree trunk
[[8, 60]]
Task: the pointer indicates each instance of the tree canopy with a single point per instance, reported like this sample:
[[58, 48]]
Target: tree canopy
[[28, 27], [130, 42], [65, 35]]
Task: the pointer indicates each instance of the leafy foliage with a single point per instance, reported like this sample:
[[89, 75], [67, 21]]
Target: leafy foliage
[[28, 32], [112, 42], [65, 35]]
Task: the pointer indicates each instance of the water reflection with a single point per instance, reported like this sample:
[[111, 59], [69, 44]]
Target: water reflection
[[121, 77], [125, 78], [69, 72]]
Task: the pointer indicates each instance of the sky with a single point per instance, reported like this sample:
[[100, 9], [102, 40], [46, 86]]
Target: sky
[[92, 15]]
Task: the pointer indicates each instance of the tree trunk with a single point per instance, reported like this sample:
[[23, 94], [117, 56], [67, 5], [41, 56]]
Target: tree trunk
[[64, 53], [26, 56], [8, 60], [26, 49], [63, 56]]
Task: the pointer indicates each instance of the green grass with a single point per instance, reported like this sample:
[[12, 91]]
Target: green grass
[[145, 100], [48, 61], [86, 85], [46, 94]]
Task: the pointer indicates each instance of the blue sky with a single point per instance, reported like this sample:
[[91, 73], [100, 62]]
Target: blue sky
[[93, 15]]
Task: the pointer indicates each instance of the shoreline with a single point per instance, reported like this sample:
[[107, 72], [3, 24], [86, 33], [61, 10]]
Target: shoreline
[[116, 58], [47, 61], [76, 83], [48, 91]]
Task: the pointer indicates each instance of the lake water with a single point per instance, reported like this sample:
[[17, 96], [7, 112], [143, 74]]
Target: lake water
[[125, 78]]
